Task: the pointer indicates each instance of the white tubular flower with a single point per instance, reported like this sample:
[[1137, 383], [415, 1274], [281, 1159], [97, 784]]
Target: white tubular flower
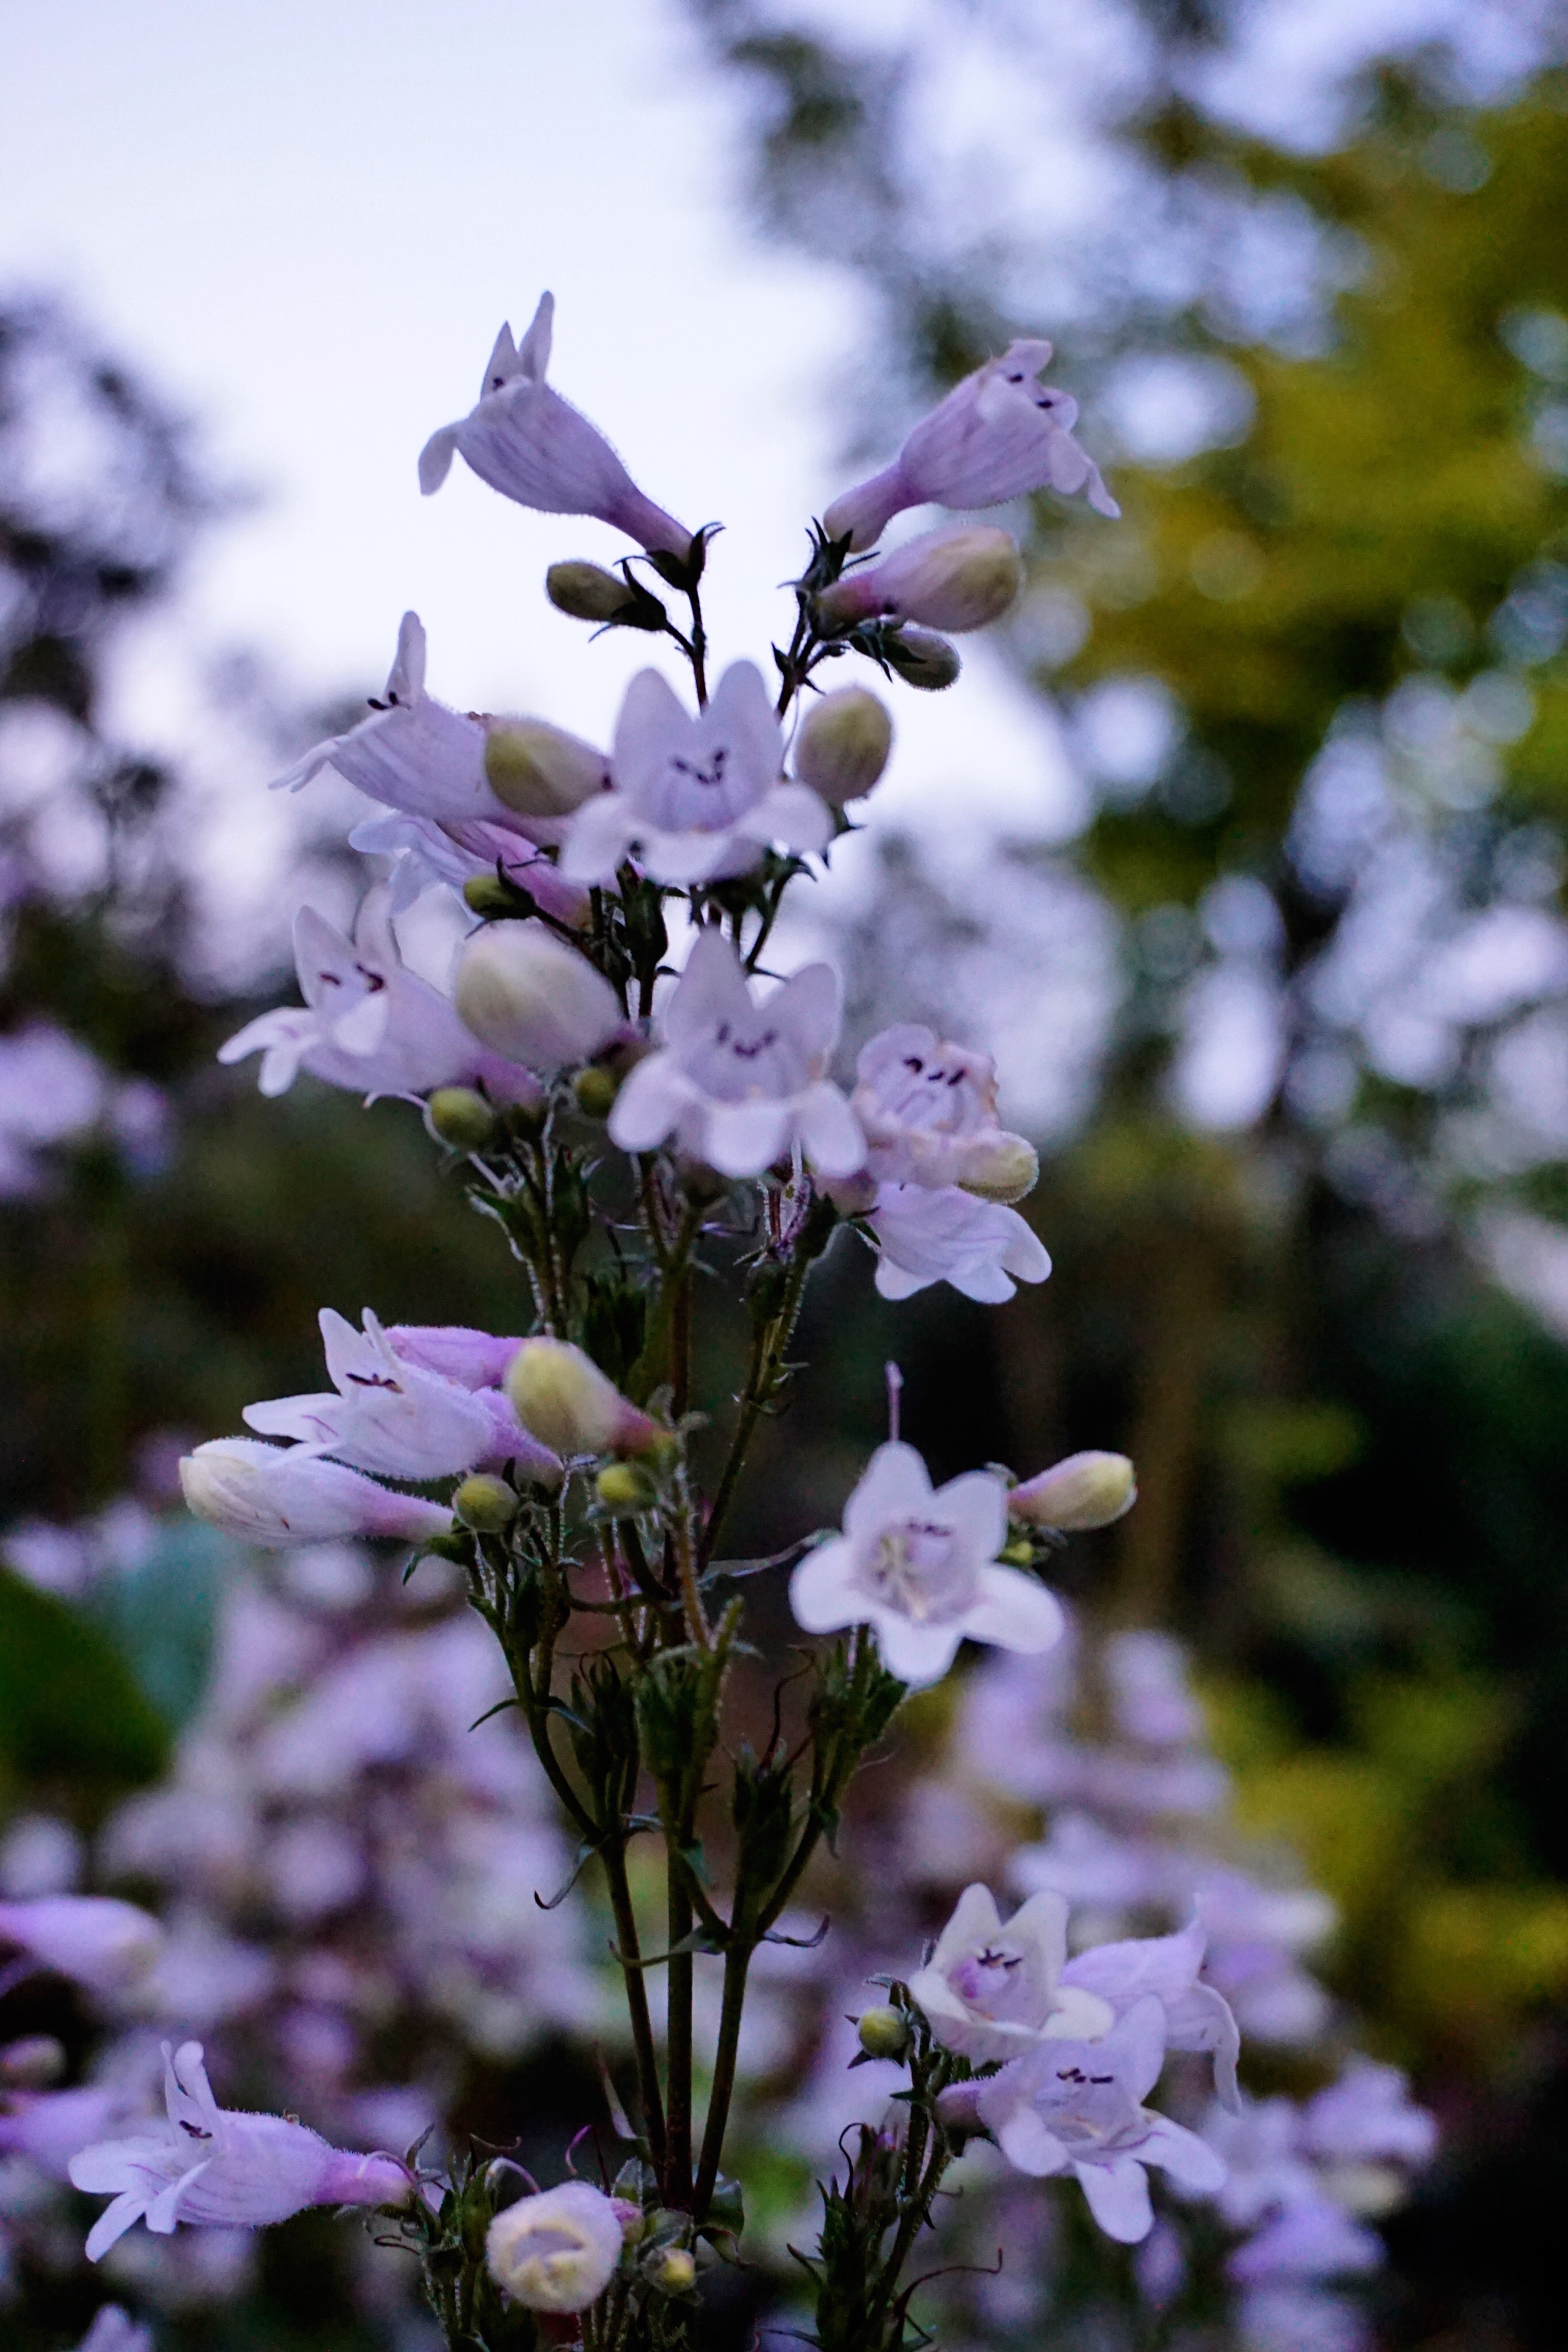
[[983, 1249], [738, 1082], [367, 1023], [528, 443], [556, 2250], [992, 1991], [920, 1568], [281, 1494], [1197, 2016], [1078, 2106], [222, 2168], [999, 433], [105, 1945], [562, 1396], [397, 1419], [929, 1109], [956, 578], [1082, 1491], [699, 796], [415, 755], [532, 999], [114, 2330]]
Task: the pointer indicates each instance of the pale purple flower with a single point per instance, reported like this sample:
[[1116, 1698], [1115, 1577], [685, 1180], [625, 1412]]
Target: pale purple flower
[[982, 1249], [1091, 1864], [397, 1419], [279, 1495], [1369, 2116], [956, 578], [1265, 2167], [1314, 2238], [698, 796], [49, 2128], [1197, 2016], [1078, 2106], [416, 755], [738, 1082], [991, 1991], [223, 2166], [368, 1023], [1151, 1697], [96, 1941], [929, 1109], [558, 2250], [1085, 1490], [528, 443], [920, 1566], [998, 434], [114, 2330], [426, 854], [1289, 2316], [475, 1359]]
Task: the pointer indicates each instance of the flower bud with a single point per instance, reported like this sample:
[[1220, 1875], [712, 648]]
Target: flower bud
[[1004, 1171], [843, 744], [485, 1503], [955, 579], [526, 995], [556, 2250], [487, 894], [922, 658], [884, 2032], [625, 1489], [586, 592], [1086, 1490], [565, 1400], [595, 1089], [671, 2270], [539, 769], [458, 1115]]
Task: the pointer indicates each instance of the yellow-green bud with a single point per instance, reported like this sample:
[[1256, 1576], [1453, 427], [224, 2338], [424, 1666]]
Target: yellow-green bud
[[484, 1503], [527, 994], [957, 578], [487, 894], [588, 592], [595, 1089], [884, 2032], [671, 2270], [1019, 1553], [539, 769], [843, 744], [624, 1489], [1086, 1490], [1008, 1170], [458, 1115], [922, 658], [565, 1400]]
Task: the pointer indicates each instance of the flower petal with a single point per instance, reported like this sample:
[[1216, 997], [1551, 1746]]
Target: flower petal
[[821, 1591], [1117, 2195], [1014, 1612]]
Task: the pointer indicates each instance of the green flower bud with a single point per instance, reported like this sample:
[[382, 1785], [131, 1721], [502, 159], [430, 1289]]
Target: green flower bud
[[884, 2032], [922, 658], [1087, 1490], [484, 1503], [588, 592], [961, 577], [458, 1115], [565, 1400], [539, 769], [843, 744], [595, 1089], [1005, 1172], [526, 995], [670, 2270], [625, 1489], [487, 894]]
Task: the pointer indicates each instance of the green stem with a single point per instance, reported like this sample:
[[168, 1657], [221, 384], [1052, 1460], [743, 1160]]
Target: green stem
[[737, 1963], [677, 2043], [614, 1855], [768, 1349]]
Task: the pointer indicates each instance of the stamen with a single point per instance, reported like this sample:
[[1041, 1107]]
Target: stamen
[[895, 1390]]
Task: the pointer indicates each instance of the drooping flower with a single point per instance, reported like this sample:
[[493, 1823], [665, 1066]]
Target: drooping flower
[[738, 1082], [920, 1566], [955, 579], [398, 1419], [220, 2166], [1078, 2106], [96, 1940], [528, 443], [929, 1109], [532, 999], [699, 796], [1198, 2017], [1083, 1491], [368, 1023], [415, 755], [991, 1991], [979, 1247], [999, 433], [556, 2250], [280, 1495]]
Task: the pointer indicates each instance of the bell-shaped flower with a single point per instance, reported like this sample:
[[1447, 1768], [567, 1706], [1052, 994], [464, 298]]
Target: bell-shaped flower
[[698, 796], [223, 2168], [929, 1109], [557, 2250], [415, 753], [1198, 2017], [281, 1494], [533, 999], [957, 579], [991, 1992], [738, 1082], [998, 434], [114, 2330], [923, 1236], [1082, 1491], [920, 1568], [368, 1023], [96, 1941], [528, 443], [1078, 2106], [394, 1418]]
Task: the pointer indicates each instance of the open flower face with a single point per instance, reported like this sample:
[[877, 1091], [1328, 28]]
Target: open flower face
[[992, 1991], [1197, 2016], [739, 1081], [697, 795], [928, 1109], [920, 1566]]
